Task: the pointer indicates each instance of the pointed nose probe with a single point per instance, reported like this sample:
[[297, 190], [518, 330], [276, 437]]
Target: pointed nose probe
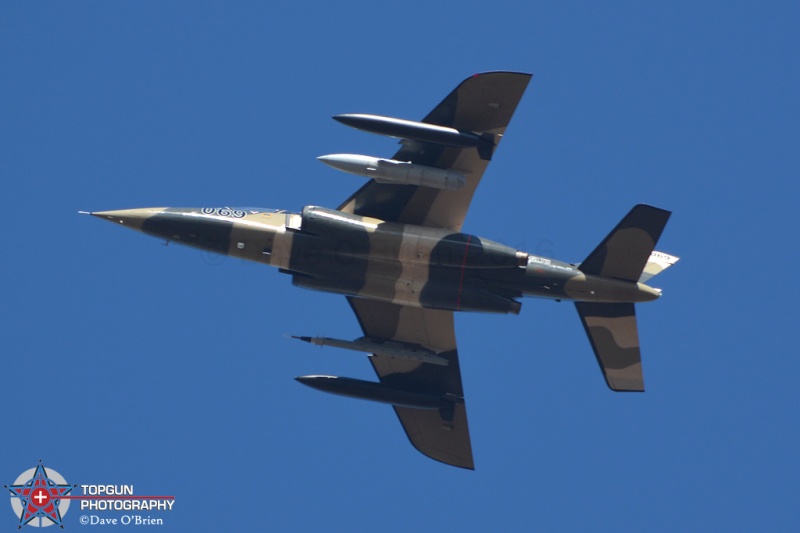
[[132, 218]]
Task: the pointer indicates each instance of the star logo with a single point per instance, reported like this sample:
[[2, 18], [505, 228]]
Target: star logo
[[36, 497]]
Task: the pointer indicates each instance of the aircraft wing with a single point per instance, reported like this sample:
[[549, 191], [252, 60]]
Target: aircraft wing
[[483, 103], [443, 436]]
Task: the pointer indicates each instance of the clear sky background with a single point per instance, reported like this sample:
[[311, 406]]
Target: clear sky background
[[128, 362]]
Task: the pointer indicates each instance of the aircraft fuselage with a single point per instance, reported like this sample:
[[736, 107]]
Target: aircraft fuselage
[[332, 251]]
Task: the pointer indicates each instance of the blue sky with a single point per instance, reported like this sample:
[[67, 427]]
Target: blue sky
[[128, 362]]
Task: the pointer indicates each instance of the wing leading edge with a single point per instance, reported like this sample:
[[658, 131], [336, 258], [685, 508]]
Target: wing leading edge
[[440, 434], [482, 104]]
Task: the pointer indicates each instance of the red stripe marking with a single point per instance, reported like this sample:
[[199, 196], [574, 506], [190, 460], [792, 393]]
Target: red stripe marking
[[463, 267], [131, 497]]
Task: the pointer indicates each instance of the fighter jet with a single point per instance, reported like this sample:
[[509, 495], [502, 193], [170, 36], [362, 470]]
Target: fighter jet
[[396, 251]]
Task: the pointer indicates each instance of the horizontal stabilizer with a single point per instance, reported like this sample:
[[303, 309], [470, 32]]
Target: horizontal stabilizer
[[624, 253], [611, 328]]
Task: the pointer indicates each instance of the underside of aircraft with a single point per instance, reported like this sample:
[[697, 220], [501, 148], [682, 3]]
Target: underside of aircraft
[[396, 251]]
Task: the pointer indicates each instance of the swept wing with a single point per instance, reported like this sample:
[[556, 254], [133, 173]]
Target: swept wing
[[482, 104], [440, 434]]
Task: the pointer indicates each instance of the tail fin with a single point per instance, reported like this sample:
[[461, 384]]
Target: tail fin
[[623, 254], [615, 340], [656, 264]]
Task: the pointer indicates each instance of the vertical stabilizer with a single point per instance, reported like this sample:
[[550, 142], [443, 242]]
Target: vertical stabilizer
[[656, 264]]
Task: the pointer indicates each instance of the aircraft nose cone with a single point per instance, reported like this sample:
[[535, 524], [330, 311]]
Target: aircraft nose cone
[[132, 218]]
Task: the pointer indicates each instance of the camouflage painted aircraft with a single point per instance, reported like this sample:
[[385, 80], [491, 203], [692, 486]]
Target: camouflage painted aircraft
[[396, 251]]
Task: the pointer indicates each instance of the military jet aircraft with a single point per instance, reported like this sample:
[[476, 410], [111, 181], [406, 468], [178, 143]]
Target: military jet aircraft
[[395, 250]]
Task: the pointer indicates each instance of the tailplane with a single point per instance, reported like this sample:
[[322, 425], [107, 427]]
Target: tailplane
[[624, 253], [615, 340]]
